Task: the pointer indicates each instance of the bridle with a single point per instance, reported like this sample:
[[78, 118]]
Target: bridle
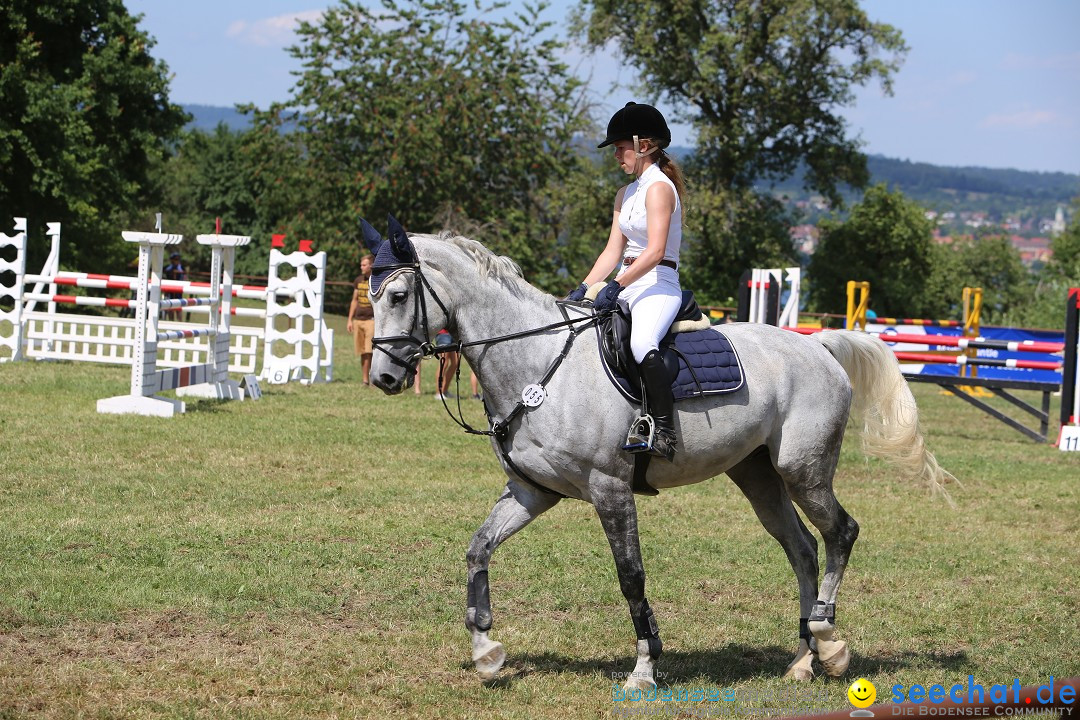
[[425, 348]]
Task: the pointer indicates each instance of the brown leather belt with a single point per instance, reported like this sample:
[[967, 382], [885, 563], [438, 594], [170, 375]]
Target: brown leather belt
[[665, 262]]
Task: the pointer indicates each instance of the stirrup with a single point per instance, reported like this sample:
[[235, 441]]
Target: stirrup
[[641, 436]]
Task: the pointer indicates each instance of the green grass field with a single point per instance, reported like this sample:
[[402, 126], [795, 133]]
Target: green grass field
[[304, 556]]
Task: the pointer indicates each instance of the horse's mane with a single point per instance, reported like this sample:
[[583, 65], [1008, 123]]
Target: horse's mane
[[498, 267]]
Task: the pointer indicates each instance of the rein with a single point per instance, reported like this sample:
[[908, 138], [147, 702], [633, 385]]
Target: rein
[[499, 427]]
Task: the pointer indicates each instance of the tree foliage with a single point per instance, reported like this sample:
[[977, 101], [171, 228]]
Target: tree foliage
[[886, 240], [428, 112], [989, 261], [1064, 262], [212, 175], [84, 112]]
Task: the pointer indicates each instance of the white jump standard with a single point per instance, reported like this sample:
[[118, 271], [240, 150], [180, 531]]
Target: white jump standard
[[210, 379]]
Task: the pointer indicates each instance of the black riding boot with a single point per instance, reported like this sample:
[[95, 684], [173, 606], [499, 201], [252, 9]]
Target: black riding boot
[[654, 374]]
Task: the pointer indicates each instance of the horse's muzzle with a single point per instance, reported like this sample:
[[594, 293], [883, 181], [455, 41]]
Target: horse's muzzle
[[388, 383]]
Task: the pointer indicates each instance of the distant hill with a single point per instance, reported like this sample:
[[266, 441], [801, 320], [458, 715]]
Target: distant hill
[[997, 193], [208, 117]]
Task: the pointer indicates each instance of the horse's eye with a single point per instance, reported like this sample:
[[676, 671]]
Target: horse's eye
[[396, 298]]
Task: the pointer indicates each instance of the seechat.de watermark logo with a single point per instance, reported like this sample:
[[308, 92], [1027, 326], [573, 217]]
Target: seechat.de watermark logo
[[862, 695], [970, 699]]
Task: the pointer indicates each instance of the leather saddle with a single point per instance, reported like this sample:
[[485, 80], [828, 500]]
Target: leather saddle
[[615, 339]]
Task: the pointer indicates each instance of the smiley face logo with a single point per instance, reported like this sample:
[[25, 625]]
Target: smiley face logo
[[862, 693]]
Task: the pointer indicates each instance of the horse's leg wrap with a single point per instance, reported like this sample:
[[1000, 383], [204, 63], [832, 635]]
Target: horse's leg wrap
[[516, 508], [488, 655], [478, 609], [649, 648], [832, 654], [648, 631], [801, 668]]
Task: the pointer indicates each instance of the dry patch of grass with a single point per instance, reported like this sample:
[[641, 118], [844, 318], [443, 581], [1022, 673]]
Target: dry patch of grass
[[148, 663]]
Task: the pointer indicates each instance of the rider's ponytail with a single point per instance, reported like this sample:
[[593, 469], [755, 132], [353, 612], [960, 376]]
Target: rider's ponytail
[[674, 172]]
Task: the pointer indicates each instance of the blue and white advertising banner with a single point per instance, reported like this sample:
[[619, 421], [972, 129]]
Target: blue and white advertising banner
[[989, 333]]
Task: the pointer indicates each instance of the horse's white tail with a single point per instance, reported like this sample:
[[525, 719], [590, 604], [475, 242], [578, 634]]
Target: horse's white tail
[[882, 406]]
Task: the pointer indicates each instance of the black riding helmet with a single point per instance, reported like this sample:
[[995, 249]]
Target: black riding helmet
[[644, 121]]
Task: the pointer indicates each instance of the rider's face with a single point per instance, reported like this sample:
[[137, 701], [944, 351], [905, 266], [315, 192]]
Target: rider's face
[[624, 155]]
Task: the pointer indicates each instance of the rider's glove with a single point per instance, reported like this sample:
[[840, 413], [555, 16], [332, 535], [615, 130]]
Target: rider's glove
[[578, 293], [608, 297]]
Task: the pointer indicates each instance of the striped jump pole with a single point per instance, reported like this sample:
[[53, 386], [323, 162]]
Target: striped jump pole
[[183, 334], [80, 300], [962, 343], [124, 282], [918, 321], [54, 333], [914, 357]]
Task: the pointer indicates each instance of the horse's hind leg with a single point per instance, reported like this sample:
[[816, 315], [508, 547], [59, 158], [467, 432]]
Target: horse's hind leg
[[808, 476], [764, 488], [517, 507]]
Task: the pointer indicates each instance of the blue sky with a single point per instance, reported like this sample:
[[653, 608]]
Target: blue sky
[[992, 83]]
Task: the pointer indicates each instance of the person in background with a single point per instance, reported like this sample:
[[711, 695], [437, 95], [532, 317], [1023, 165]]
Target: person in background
[[361, 320], [448, 364], [175, 271]]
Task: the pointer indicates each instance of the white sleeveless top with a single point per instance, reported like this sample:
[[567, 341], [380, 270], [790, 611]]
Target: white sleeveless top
[[632, 215]]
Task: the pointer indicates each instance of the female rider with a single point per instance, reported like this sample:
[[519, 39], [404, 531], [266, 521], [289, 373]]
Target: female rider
[[646, 232]]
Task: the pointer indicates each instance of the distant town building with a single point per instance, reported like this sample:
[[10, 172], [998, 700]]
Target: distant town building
[[1058, 226], [804, 238]]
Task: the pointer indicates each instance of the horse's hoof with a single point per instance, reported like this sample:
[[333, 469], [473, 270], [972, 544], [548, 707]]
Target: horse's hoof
[[641, 682], [489, 660], [798, 672], [834, 657]]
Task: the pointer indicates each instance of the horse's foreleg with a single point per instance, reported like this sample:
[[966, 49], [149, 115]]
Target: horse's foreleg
[[517, 507], [618, 514], [764, 488]]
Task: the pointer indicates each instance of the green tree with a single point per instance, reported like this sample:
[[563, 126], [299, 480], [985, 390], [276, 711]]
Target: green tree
[[426, 112], [731, 232], [887, 241], [1065, 251], [761, 82], [84, 111], [991, 262]]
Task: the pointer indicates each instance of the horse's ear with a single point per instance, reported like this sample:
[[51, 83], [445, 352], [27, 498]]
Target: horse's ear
[[399, 240], [372, 238]]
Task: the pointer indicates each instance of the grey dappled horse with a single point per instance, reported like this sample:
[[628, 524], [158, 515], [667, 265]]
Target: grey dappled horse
[[778, 437]]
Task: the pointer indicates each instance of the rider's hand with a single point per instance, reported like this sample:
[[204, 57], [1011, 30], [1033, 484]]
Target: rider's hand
[[578, 293], [608, 297]]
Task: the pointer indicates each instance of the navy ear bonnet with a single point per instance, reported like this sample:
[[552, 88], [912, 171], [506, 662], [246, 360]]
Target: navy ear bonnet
[[391, 255]]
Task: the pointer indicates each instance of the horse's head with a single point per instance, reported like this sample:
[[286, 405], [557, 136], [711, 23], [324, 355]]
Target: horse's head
[[408, 313]]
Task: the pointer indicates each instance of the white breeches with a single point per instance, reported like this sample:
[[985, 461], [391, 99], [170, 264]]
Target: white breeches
[[654, 301]]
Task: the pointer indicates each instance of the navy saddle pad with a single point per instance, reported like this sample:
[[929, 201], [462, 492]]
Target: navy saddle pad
[[703, 362]]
